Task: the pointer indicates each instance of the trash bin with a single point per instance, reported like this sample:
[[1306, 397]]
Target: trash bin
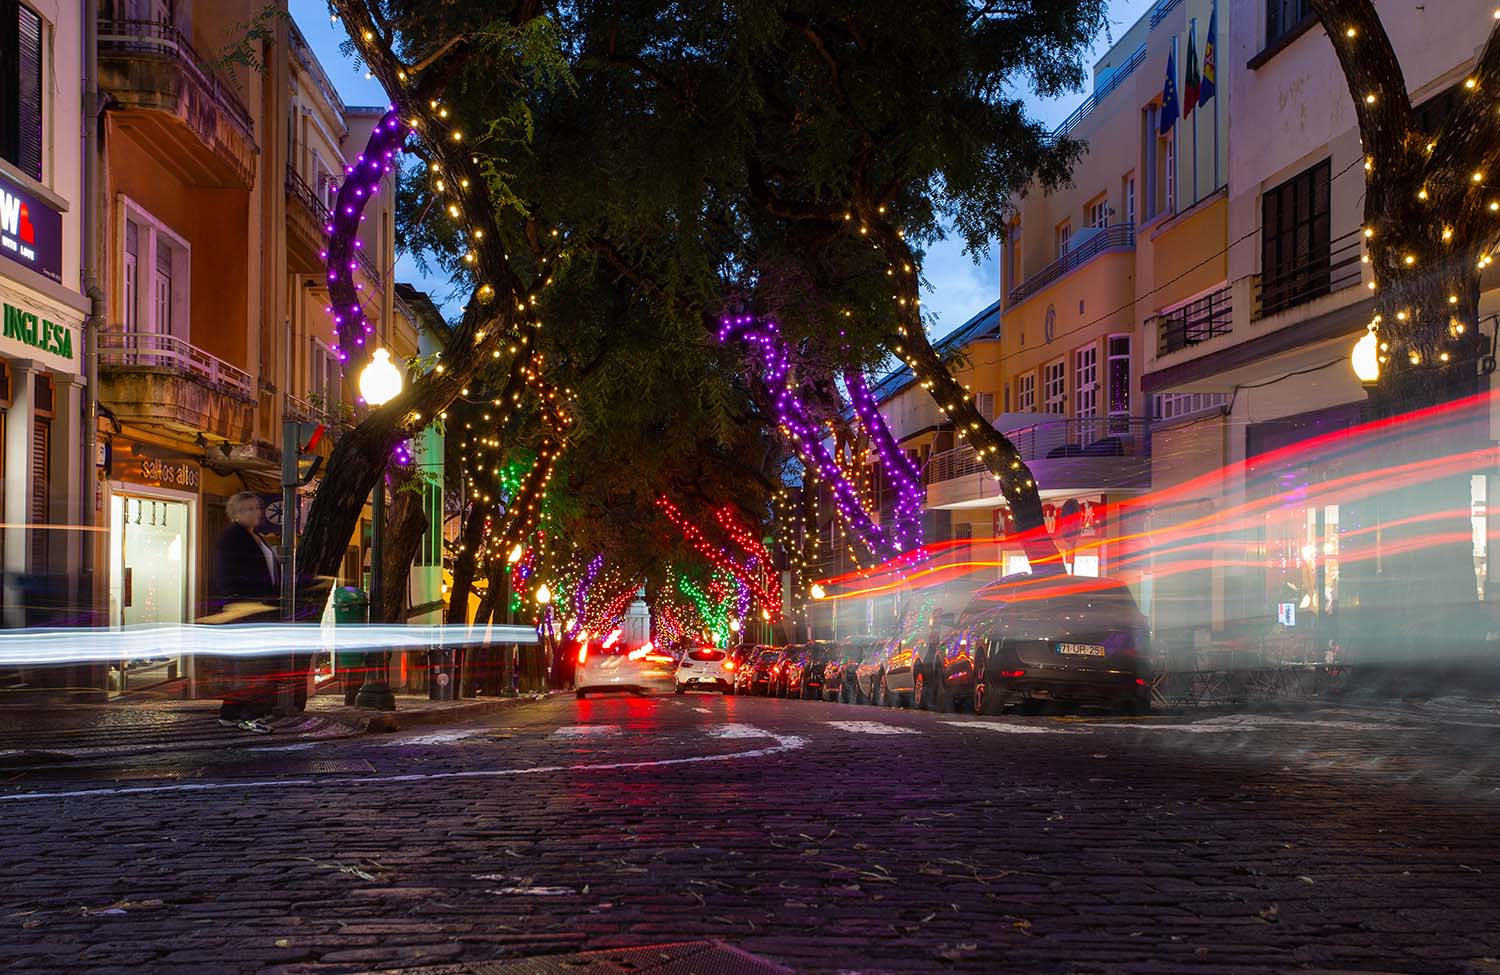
[[350, 605], [442, 677]]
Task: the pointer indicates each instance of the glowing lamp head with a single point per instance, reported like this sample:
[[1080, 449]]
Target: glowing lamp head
[[817, 591], [734, 626], [381, 380], [543, 594], [1366, 357], [515, 554]]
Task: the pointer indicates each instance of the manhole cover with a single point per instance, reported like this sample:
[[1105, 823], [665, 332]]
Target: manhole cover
[[681, 958]]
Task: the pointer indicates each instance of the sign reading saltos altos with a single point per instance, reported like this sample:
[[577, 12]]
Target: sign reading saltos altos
[[49, 337]]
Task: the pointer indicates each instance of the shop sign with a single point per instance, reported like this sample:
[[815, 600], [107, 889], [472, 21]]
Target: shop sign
[[143, 469], [30, 231], [37, 332], [1070, 520]]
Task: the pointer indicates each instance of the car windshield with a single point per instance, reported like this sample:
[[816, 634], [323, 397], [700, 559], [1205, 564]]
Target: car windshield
[[769, 655], [706, 654]]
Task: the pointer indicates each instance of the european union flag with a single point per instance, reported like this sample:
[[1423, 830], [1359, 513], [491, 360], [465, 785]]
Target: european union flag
[[1169, 107]]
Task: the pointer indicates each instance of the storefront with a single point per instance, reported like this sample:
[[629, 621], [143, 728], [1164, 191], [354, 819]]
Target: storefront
[[153, 518], [41, 405]]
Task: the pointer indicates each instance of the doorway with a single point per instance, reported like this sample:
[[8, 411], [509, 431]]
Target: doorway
[[150, 581]]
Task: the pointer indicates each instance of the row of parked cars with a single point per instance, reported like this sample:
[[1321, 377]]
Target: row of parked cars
[[1031, 643]]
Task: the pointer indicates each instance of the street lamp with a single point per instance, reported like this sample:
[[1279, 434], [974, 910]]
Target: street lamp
[[379, 383], [543, 594], [816, 591], [515, 554], [1366, 356]]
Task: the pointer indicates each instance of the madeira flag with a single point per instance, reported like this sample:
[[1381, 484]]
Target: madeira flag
[[1190, 83], [1206, 86]]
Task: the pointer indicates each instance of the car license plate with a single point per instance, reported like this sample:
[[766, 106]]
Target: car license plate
[[1081, 649]]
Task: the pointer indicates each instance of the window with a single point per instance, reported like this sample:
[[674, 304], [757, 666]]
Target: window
[[1013, 264], [963, 532], [1117, 373], [1026, 393], [985, 404], [1086, 390], [132, 275], [324, 385], [1054, 387], [21, 87], [1165, 406], [1098, 212], [1283, 17], [154, 275], [1128, 193], [1062, 236], [1295, 225]]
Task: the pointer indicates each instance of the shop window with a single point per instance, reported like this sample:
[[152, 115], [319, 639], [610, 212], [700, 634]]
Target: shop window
[[1026, 393], [1054, 387], [21, 87], [963, 532]]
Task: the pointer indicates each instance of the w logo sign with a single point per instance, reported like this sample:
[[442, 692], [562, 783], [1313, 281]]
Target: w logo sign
[[15, 218]]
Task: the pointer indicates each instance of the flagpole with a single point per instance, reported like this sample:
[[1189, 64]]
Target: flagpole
[[1212, 43], [1216, 130], [1192, 44]]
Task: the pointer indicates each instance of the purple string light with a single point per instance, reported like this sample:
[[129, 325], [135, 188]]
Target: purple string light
[[361, 184]]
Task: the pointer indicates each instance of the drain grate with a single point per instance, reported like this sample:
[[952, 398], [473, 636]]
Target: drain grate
[[681, 958], [84, 773]]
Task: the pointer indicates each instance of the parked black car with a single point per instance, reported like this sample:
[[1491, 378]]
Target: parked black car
[[1048, 641], [758, 673]]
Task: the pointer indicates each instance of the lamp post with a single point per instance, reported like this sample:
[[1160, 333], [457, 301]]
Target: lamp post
[[379, 383]]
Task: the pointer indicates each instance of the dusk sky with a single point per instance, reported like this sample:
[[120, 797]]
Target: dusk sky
[[957, 288]]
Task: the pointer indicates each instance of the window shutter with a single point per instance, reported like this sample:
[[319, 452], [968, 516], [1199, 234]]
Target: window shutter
[[41, 454], [132, 238], [163, 257], [28, 93]]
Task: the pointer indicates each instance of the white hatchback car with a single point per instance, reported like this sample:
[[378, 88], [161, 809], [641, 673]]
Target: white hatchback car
[[705, 669], [615, 668]]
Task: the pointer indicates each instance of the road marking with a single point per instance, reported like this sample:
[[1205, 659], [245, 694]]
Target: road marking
[[738, 731], [1015, 729], [434, 738], [586, 731], [282, 748], [784, 743], [703, 710], [872, 728]]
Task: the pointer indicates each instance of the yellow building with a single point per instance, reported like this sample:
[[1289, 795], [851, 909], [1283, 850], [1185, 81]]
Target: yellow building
[[216, 184]]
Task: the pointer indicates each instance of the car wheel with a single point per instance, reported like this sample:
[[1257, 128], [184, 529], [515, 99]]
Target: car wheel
[[582, 694], [983, 700], [681, 689], [918, 690]]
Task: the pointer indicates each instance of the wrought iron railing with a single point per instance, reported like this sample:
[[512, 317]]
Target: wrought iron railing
[[1197, 321], [1051, 439], [1115, 236], [1100, 91], [155, 350], [1278, 289], [297, 188], [156, 37]]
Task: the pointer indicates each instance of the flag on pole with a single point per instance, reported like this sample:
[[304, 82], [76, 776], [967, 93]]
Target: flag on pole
[[1169, 109], [1190, 83], [1206, 86]]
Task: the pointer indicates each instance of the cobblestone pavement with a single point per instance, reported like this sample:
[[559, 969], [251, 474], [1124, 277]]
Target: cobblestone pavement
[[826, 837]]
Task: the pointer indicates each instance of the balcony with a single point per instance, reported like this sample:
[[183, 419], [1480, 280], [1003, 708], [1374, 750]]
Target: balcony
[[1092, 455], [1195, 322], [1087, 245], [1277, 289], [148, 378], [306, 220], [174, 105]]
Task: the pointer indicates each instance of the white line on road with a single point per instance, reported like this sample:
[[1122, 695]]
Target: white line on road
[[703, 710], [299, 746], [784, 743], [433, 738], [872, 728], [587, 731], [738, 731], [1016, 729]]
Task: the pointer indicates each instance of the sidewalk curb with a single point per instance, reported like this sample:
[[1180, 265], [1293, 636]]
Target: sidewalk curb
[[388, 722]]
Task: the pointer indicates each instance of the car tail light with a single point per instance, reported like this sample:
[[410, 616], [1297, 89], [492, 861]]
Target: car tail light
[[658, 658], [583, 653], [729, 665], [1140, 681], [638, 653], [1012, 673]]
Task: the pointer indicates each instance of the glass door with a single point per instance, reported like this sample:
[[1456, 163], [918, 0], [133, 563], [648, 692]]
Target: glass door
[[149, 558]]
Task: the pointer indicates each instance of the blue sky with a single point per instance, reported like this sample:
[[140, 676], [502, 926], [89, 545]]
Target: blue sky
[[957, 288]]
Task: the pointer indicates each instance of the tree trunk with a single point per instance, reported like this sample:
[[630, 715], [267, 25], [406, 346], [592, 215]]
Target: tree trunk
[[1017, 484], [404, 527], [465, 562]]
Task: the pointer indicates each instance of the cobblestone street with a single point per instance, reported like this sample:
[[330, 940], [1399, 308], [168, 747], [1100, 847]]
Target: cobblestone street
[[826, 838]]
